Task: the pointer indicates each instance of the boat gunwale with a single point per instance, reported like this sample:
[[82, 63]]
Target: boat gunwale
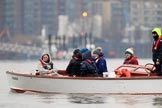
[[85, 78]]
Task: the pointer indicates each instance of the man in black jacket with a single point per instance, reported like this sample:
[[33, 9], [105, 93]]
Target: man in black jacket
[[157, 50], [73, 68]]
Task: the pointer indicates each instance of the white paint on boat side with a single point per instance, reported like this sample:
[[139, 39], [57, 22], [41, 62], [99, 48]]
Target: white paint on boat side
[[74, 85]]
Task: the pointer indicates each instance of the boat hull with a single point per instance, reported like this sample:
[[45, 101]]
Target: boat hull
[[48, 84]]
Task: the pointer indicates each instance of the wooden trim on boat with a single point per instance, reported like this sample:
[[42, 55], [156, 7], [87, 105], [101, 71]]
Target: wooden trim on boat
[[87, 78]]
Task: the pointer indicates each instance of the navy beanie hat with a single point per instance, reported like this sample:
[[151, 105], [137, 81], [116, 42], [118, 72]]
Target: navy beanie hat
[[84, 50]]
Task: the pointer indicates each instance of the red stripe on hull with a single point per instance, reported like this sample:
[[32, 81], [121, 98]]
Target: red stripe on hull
[[22, 91]]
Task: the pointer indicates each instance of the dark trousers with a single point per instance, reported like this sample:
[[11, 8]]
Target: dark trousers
[[159, 69]]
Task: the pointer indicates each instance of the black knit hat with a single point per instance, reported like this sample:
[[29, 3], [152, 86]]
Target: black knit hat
[[76, 51]]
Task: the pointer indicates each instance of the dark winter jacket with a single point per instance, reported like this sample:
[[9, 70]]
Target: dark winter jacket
[[157, 47], [73, 67], [88, 67], [101, 65]]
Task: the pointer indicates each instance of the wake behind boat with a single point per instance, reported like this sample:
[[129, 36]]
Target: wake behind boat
[[141, 81]]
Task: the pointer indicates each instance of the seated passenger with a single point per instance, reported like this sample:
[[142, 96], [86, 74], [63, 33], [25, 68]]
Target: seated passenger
[[88, 66], [45, 66], [73, 68], [100, 62], [129, 57], [101, 53]]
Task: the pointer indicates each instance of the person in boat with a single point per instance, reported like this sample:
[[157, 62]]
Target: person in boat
[[130, 58], [100, 62], [83, 50], [157, 50], [73, 68], [101, 53], [88, 66], [46, 66]]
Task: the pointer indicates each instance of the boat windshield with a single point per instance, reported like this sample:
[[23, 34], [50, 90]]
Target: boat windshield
[[126, 67], [133, 69]]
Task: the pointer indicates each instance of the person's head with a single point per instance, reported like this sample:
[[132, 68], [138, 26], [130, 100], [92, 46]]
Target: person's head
[[96, 54], [156, 33], [84, 50], [99, 49], [129, 53], [46, 58], [76, 51]]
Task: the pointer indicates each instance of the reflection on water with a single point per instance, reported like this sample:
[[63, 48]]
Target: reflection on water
[[128, 99], [157, 101], [46, 98], [42, 100], [104, 99], [72, 98], [86, 99]]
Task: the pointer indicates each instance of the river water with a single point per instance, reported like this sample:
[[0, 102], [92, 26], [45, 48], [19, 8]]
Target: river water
[[9, 99]]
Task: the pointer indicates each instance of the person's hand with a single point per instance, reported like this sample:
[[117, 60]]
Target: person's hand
[[50, 71], [157, 63], [154, 68]]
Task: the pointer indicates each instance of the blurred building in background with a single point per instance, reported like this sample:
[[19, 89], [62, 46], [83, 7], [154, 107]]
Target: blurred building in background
[[27, 17], [107, 22]]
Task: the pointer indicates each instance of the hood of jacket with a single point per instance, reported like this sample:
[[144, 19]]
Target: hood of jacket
[[157, 30], [49, 58], [86, 55]]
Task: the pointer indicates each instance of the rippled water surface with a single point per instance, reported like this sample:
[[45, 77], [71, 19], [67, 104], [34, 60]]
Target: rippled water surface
[[9, 99]]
